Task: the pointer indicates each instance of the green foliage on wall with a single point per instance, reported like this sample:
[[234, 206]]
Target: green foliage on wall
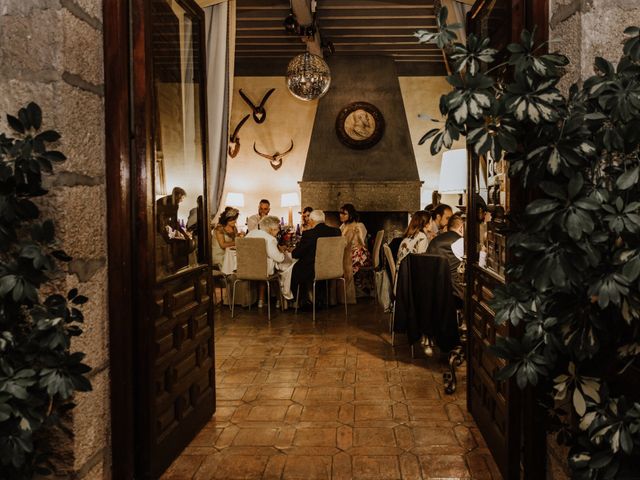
[[38, 372], [575, 281]]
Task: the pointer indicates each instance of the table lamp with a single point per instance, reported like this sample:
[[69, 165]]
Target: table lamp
[[453, 173], [235, 200], [290, 200]]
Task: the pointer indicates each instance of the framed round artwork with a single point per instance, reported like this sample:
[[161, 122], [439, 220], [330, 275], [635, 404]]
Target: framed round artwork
[[360, 125]]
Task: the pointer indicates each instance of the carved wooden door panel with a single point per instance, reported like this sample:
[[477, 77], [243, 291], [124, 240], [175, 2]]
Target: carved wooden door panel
[[503, 413], [175, 380]]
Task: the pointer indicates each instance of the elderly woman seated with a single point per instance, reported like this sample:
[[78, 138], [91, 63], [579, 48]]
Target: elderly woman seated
[[269, 227]]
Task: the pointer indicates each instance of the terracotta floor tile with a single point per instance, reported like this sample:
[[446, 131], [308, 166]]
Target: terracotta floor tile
[[439, 466], [283, 376], [320, 413], [324, 393], [307, 468], [375, 437], [267, 414], [184, 467], [290, 362], [427, 436], [255, 437], [275, 393], [372, 392], [376, 468], [315, 437], [240, 467], [373, 412]]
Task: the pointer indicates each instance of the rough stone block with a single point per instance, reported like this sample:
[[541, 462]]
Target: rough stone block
[[22, 8], [92, 8], [566, 38], [80, 121], [82, 48], [91, 420], [15, 94], [31, 46], [80, 216]]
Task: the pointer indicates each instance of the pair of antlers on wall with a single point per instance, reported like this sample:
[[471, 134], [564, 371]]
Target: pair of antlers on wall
[[259, 115]]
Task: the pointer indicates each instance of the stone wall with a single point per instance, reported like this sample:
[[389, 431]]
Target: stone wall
[[51, 52], [583, 30]]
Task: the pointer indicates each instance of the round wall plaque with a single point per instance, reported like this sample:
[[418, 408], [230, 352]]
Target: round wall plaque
[[360, 125]]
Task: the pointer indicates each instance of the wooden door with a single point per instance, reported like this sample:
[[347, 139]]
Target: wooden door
[[504, 414], [174, 370]]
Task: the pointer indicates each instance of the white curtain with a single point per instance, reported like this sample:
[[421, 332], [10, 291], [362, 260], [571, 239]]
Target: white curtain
[[220, 42]]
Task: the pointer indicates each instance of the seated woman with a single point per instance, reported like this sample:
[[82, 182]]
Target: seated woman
[[355, 233], [224, 234], [415, 238]]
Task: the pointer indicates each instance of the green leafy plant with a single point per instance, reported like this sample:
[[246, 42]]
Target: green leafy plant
[[574, 281], [38, 372]]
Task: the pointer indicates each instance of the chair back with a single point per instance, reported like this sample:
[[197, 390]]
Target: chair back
[[329, 258], [252, 259], [390, 261], [376, 249]]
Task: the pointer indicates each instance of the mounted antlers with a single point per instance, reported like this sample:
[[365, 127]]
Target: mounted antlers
[[276, 159], [234, 140], [259, 113]]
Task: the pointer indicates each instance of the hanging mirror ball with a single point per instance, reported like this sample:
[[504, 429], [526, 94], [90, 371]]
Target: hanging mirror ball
[[308, 76]]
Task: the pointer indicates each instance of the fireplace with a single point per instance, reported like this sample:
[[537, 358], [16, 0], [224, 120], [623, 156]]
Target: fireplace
[[382, 182]]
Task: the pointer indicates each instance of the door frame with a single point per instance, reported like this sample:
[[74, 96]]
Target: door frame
[[128, 135], [120, 228]]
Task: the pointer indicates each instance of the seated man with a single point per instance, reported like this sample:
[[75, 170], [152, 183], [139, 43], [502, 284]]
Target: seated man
[[450, 245], [269, 227], [305, 251]]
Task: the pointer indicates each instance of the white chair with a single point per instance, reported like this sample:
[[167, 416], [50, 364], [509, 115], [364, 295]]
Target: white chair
[[392, 272], [377, 244], [329, 265], [252, 265]]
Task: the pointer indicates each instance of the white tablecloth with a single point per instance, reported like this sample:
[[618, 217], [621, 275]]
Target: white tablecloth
[[285, 269], [230, 261]]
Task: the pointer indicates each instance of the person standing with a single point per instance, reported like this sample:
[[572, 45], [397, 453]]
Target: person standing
[[355, 233], [305, 252], [263, 210]]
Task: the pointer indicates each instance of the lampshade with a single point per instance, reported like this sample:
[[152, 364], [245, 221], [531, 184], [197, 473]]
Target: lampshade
[[453, 171], [308, 76], [289, 199], [235, 199]]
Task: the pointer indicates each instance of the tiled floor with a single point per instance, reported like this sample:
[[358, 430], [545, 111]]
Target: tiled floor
[[334, 401]]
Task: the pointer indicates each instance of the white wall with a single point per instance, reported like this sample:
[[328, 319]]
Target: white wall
[[287, 119], [422, 95]]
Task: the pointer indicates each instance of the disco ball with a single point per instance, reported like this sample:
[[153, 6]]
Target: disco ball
[[308, 76]]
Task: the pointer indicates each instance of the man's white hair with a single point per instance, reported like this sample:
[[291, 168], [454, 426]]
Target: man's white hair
[[317, 216], [269, 222]]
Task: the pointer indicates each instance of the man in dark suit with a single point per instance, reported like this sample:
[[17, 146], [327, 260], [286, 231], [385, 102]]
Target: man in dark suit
[[450, 245], [305, 252]]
